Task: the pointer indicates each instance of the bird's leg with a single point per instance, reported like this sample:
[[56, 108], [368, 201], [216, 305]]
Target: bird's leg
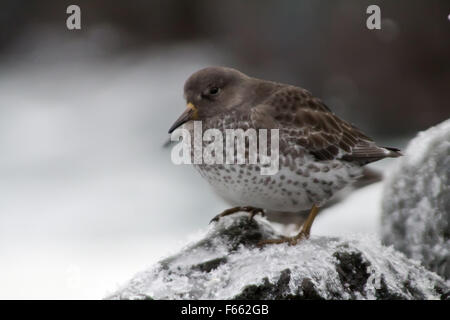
[[303, 234], [251, 210], [306, 228]]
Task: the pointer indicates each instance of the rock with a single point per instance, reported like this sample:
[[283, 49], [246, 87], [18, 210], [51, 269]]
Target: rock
[[416, 201], [225, 263]]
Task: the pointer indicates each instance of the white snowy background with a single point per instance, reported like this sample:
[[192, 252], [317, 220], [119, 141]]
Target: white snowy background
[[88, 195]]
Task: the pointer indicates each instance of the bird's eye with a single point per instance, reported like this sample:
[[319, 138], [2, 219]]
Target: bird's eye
[[213, 91]]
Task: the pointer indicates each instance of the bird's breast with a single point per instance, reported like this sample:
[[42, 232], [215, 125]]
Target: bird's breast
[[297, 185]]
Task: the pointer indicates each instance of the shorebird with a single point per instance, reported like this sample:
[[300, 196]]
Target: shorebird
[[319, 153]]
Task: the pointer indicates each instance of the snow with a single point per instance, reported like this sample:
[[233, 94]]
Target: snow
[[315, 259], [416, 200], [425, 143]]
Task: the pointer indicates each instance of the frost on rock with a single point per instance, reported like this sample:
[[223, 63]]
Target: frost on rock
[[416, 200], [225, 263]]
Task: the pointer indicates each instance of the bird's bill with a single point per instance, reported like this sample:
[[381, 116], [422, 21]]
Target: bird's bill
[[189, 114]]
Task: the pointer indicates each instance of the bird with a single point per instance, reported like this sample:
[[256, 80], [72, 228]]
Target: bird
[[319, 153]]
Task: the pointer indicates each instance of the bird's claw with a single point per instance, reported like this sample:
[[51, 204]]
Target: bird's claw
[[251, 210]]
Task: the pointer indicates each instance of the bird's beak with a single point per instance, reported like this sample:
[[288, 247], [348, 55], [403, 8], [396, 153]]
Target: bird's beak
[[191, 113]]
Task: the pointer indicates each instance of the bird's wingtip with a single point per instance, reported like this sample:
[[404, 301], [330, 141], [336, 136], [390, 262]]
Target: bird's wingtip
[[393, 152]]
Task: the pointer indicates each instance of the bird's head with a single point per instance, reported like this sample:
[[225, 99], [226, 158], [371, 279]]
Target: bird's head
[[212, 91]]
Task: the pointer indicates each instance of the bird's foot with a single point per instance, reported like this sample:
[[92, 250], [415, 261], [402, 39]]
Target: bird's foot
[[302, 235], [251, 210], [292, 241]]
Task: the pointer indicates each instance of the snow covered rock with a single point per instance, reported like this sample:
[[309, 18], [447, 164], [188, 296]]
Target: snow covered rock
[[225, 263], [416, 201]]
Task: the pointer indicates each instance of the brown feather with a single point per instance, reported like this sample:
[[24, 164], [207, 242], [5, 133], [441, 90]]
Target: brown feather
[[316, 127]]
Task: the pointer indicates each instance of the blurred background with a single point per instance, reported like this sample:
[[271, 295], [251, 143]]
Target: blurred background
[[88, 195]]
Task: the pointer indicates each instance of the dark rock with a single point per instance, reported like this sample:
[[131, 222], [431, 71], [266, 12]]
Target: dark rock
[[352, 271], [207, 266]]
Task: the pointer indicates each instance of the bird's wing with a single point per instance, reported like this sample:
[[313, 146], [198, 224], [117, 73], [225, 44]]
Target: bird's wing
[[306, 121]]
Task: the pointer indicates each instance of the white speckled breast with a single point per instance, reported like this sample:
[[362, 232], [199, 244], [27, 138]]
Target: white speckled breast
[[294, 188]]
